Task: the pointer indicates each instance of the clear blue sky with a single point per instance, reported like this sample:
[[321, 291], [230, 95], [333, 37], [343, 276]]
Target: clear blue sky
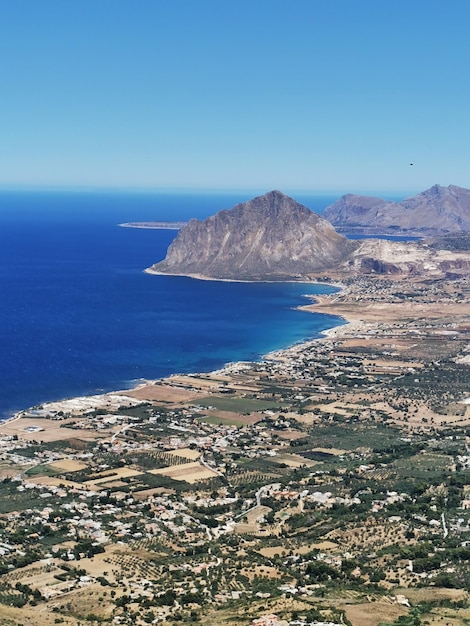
[[316, 95]]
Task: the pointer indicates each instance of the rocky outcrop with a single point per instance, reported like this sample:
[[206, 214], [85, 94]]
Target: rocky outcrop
[[436, 211], [413, 258], [270, 237]]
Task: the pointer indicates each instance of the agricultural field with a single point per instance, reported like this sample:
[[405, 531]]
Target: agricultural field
[[241, 405], [188, 472]]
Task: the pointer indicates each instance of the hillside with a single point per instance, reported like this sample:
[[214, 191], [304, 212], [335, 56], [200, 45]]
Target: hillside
[[269, 237], [436, 211]]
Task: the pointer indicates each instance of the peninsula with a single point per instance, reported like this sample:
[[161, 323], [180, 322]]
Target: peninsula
[[154, 225]]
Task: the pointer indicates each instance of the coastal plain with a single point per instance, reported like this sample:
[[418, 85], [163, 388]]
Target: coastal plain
[[328, 483]]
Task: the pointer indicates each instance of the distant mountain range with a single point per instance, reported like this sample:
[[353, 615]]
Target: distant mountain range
[[436, 211], [273, 237]]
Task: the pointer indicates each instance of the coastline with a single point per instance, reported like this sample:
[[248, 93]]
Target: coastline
[[282, 353], [154, 225], [369, 315], [373, 318], [300, 281]]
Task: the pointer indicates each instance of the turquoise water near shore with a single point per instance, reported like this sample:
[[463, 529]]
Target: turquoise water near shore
[[78, 315]]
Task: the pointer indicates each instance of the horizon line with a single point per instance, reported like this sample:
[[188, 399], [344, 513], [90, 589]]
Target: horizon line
[[183, 190]]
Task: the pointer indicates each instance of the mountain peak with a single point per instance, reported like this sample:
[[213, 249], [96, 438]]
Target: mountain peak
[[271, 236]]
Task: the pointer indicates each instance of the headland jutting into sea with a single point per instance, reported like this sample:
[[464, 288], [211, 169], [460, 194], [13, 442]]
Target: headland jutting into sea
[[79, 315]]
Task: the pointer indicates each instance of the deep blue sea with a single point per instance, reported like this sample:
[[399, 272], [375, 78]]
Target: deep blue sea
[[78, 315]]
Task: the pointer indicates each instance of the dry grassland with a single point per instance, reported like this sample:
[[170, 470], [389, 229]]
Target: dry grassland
[[148, 493], [289, 435], [256, 514], [294, 460], [361, 312], [260, 570], [68, 465], [340, 407], [31, 616], [250, 529], [189, 472], [112, 475], [333, 451], [431, 594], [163, 393], [186, 453], [51, 430], [111, 478], [372, 613], [232, 417], [54, 481], [195, 383], [324, 546], [385, 364], [6, 472], [448, 617], [83, 599], [112, 484]]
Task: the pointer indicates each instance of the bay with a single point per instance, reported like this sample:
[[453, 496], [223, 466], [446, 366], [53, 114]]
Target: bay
[[78, 315]]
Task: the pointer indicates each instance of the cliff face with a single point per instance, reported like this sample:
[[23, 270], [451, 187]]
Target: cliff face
[[436, 211], [269, 237]]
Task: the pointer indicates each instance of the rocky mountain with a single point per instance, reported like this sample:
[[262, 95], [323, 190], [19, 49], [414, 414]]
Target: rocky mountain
[[273, 237], [436, 211], [269, 237]]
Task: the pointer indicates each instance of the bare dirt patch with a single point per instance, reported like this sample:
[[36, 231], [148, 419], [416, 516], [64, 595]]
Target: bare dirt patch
[[333, 451], [49, 430], [162, 393], [233, 418], [54, 481], [304, 549], [68, 465], [189, 472], [257, 514], [379, 311], [289, 435], [431, 594], [294, 460], [155, 491], [8, 473], [372, 613], [186, 453]]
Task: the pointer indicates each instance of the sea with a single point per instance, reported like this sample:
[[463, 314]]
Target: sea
[[79, 316]]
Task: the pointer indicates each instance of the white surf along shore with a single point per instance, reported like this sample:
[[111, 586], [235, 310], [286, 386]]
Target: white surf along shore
[[113, 399]]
